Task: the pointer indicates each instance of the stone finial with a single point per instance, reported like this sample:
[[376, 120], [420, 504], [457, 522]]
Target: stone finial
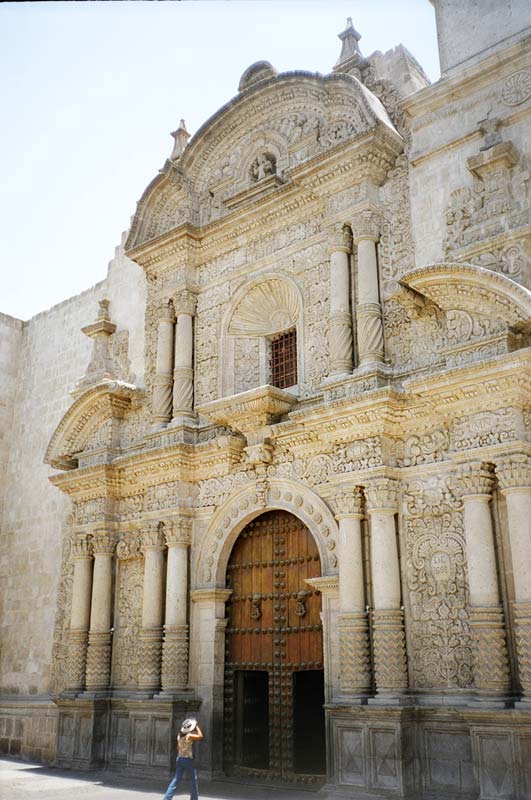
[[181, 137], [349, 44], [102, 365]]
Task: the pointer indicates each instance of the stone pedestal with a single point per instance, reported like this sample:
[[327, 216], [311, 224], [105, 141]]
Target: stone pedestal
[[390, 662], [99, 640], [514, 475], [491, 666]]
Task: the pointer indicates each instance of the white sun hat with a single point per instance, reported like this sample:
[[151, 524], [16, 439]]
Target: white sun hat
[[188, 725]]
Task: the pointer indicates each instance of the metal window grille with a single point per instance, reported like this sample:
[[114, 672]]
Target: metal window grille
[[284, 360]]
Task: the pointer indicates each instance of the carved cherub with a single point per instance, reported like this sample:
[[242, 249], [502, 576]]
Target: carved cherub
[[263, 166]]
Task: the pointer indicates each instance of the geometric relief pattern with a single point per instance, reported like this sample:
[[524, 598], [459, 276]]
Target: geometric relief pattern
[[129, 612], [384, 761], [352, 757], [436, 577], [496, 766]]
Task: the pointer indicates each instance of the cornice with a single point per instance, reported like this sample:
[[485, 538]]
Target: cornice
[[101, 480]]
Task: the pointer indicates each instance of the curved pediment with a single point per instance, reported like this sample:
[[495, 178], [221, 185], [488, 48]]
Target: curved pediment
[[251, 144], [270, 305], [93, 412], [473, 289]]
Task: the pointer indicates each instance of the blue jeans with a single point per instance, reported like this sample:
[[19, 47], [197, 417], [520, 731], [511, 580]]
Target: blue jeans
[[183, 765]]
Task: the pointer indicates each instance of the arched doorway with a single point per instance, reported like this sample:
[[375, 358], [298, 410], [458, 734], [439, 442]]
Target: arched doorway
[[274, 680]]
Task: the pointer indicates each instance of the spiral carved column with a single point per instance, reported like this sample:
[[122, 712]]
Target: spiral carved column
[[491, 665], [163, 381], [514, 476], [80, 613], [150, 639], [340, 335], [99, 639], [389, 643], [175, 644], [366, 229], [183, 373], [353, 628]]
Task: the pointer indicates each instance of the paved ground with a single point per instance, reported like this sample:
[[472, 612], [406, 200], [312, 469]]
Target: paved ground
[[22, 780]]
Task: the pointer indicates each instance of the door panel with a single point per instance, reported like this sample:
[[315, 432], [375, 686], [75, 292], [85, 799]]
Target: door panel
[[274, 628]]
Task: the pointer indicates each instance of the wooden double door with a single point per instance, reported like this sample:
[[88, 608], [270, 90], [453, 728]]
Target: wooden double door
[[274, 680]]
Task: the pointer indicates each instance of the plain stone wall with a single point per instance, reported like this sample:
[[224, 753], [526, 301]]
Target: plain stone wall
[[52, 355], [468, 31], [10, 342]]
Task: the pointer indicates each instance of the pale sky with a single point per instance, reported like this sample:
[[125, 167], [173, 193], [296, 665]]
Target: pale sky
[[91, 91]]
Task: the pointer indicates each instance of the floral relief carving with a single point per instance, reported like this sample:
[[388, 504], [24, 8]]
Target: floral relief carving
[[423, 449], [484, 428], [517, 88], [128, 623], [58, 681], [246, 364]]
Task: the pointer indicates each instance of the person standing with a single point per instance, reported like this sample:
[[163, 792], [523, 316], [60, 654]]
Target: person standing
[[190, 732]]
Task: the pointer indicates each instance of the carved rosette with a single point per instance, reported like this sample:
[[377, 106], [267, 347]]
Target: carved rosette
[[522, 619], [175, 658], [150, 651], [98, 661], [354, 654], [370, 332], [77, 659], [489, 648], [389, 643]]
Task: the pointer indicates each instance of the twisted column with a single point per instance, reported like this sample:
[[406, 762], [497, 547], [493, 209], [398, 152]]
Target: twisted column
[[80, 612], [366, 229], [390, 662], [183, 373], [99, 639], [491, 665], [163, 381], [353, 629], [175, 644], [340, 332], [514, 476], [150, 639]]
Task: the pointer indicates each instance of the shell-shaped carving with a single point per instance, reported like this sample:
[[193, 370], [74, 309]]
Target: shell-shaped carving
[[271, 306]]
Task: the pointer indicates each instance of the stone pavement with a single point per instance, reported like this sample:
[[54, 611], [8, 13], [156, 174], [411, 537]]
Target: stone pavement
[[23, 780]]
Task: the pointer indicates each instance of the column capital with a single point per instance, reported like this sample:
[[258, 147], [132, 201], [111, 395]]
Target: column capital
[[185, 302], [103, 543], [178, 531], [210, 595], [514, 473], [473, 480], [348, 503], [382, 495], [366, 225], [339, 238], [165, 311], [152, 537], [82, 546]]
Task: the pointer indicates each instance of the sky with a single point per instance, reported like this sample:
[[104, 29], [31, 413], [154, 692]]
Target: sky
[[91, 91]]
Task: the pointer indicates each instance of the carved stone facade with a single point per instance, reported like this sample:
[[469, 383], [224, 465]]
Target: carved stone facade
[[332, 229]]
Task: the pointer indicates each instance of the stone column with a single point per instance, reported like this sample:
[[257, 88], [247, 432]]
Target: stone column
[[163, 381], [355, 676], [340, 335], [99, 639], [150, 640], [183, 374], [366, 230], [491, 666], [389, 644], [514, 476], [80, 613], [175, 645]]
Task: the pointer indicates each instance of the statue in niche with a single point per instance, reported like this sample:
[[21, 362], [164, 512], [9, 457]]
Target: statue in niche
[[263, 166]]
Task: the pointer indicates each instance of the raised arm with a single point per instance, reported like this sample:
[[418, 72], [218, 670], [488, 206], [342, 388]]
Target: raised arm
[[196, 735]]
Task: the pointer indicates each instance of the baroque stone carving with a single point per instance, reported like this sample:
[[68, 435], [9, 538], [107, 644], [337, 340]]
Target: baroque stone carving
[[268, 307], [128, 621], [517, 88]]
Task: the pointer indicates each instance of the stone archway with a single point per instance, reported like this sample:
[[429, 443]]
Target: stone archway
[[274, 676]]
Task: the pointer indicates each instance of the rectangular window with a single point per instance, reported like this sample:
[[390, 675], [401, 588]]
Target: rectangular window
[[284, 360]]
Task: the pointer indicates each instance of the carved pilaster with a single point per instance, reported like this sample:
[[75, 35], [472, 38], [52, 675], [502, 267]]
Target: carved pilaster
[[389, 642], [98, 661], [354, 654], [178, 533], [77, 659], [183, 376], [99, 639], [340, 329], [491, 663], [366, 230], [175, 658], [80, 612], [522, 621], [150, 639], [163, 381]]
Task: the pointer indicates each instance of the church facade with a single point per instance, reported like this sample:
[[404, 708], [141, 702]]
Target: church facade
[[291, 492]]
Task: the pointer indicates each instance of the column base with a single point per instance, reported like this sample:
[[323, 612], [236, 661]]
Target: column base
[[494, 701], [390, 699]]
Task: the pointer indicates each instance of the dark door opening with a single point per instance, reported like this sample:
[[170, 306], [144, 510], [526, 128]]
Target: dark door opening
[[251, 722], [309, 754]]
